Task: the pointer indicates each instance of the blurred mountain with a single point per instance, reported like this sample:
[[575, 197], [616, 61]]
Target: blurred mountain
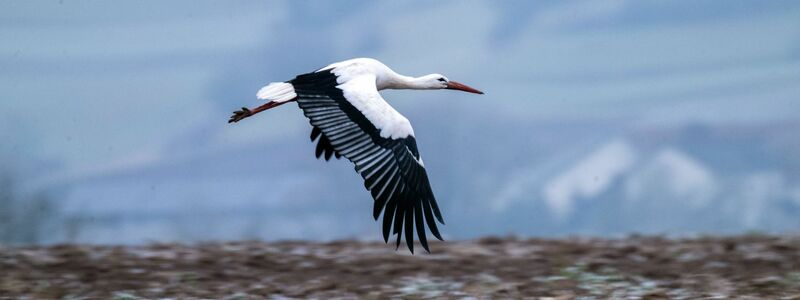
[[692, 179]]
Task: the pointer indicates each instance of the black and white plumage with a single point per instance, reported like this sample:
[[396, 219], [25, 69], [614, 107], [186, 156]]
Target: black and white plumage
[[351, 119]]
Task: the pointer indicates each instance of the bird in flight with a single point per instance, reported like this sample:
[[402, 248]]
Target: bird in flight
[[351, 119]]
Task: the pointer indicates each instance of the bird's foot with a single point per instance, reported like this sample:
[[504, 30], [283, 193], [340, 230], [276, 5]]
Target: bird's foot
[[240, 114]]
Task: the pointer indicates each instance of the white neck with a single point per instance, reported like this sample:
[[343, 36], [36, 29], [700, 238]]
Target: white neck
[[401, 82]]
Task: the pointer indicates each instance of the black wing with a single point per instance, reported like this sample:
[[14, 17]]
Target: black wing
[[323, 145], [390, 167]]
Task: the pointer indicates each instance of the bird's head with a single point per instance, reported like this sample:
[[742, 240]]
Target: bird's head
[[439, 81]]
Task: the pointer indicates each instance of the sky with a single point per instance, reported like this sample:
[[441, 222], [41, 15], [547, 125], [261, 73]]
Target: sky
[[96, 90]]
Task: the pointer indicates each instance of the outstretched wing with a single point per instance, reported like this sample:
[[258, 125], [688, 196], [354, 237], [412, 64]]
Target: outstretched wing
[[388, 161]]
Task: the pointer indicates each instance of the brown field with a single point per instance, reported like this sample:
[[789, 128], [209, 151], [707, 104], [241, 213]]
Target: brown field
[[747, 267]]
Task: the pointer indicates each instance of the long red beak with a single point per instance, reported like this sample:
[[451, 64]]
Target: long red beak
[[452, 85]]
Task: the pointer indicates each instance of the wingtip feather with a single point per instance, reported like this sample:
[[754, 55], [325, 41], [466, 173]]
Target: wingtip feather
[[423, 240], [388, 213], [409, 223]]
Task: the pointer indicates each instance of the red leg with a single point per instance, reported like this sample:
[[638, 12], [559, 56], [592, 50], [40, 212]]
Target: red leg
[[245, 112]]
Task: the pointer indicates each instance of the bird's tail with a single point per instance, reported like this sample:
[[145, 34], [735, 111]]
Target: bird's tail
[[277, 92]]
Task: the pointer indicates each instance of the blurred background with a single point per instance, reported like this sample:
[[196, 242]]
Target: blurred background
[[600, 118]]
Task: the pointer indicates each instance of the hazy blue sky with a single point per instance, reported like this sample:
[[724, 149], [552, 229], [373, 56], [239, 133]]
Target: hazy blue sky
[[92, 88]]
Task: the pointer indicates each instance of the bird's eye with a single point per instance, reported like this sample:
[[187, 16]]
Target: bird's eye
[[442, 79]]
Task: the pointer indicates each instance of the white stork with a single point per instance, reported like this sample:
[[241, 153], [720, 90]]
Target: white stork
[[351, 119]]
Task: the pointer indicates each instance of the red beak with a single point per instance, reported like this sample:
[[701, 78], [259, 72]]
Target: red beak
[[452, 85]]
